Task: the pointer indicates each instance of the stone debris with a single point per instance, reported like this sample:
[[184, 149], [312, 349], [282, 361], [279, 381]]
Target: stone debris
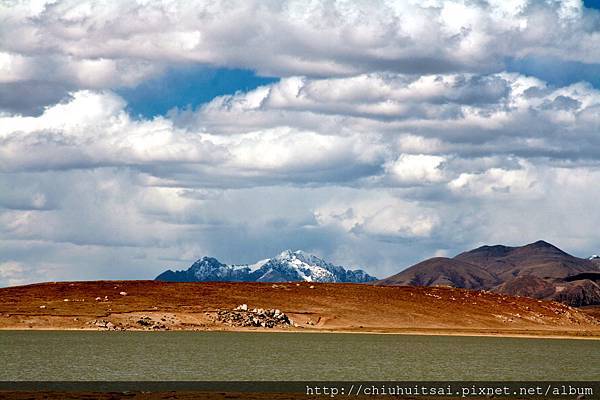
[[257, 317], [42, 306], [145, 323], [103, 324], [148, 322], [123, 293]]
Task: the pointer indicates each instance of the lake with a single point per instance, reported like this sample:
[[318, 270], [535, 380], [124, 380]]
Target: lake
[[79, 355]]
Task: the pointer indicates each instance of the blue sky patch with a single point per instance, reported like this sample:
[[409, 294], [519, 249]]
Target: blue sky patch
[[556, 72], [188, 86]]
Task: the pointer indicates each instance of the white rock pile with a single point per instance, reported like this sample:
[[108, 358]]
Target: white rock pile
[[242, 316]]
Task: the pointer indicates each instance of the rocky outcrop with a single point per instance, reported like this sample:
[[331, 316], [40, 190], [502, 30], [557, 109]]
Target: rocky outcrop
[[579, 293], [147, 322], [242, 316], [105, 325]]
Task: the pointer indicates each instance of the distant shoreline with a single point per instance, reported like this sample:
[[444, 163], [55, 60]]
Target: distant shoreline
[[512, 335]]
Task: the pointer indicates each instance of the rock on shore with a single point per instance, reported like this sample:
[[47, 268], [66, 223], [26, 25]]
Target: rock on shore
[[242, 316]]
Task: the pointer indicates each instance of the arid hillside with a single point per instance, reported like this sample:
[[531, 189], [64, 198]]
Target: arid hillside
[[153, 305], [539, 270]]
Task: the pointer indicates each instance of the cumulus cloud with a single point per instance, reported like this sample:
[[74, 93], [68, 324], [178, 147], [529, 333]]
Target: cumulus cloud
[[85, 44], [416, 169], [436, 114], [394, 134], [14, 273], [11, 273], [93, 130], [287, 132], [380, 215]]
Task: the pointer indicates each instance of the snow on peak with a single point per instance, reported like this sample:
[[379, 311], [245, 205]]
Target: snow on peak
[[285, 255], [286, 266], [306, 266], [594, 257]]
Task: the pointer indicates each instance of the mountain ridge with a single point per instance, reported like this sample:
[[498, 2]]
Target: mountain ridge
[[298, 266]]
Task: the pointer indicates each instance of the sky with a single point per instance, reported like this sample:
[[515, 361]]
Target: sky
[[138, 136]]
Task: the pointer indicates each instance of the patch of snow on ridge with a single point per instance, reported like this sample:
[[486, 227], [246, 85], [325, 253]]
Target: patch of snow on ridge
[[254, 267]]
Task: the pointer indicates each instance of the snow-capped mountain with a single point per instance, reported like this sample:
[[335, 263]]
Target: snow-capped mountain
[[596, 260], [287, 266]]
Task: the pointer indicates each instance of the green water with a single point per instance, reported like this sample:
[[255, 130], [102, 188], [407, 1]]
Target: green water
[[43, 355]]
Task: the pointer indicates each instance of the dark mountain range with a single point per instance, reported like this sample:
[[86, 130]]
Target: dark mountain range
[[287, 266], [540, 270]]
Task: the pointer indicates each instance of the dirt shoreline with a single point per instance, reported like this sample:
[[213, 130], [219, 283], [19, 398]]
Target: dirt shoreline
[[574, 336], [313, 308]]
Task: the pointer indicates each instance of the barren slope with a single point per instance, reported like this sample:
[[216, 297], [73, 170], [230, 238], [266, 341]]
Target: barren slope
[[539, 270], [342, 307], [541, 259], [442, 271]]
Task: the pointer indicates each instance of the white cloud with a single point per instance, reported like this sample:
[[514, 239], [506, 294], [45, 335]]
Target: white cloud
[[93, 130], [13, 273], [522, 182], [394, 133], [378, 214], [416, 169], [107, 44]]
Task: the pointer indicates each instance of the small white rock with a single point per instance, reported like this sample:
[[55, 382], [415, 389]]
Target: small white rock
[[42, 306], [123, 293]]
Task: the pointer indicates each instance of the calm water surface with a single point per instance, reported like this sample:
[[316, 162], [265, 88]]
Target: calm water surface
[[50, 355]]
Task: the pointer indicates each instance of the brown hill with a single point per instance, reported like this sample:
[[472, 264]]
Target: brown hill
[[540, 259], [442, 271], [539, 270], [313, 307]]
